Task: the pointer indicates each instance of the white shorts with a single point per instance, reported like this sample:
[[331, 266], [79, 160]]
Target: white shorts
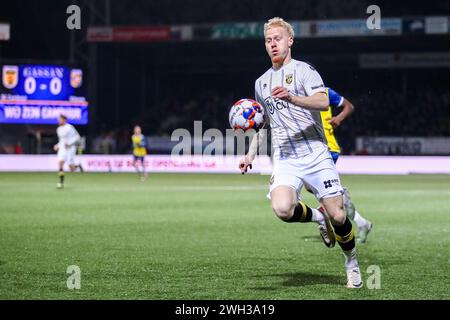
[[67, 155], [316, 169]]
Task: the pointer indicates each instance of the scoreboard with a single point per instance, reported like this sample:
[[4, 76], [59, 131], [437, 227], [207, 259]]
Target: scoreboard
[[40, 93]]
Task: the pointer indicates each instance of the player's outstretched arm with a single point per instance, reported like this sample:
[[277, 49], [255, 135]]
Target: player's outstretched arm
[[318, 101], [347, 109], [246, 162]]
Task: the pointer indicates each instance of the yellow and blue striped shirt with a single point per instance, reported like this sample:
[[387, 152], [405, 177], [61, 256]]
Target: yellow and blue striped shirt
[[139, 145], [336, 100]]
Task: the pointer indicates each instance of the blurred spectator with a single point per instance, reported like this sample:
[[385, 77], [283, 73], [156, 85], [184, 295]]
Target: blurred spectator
[[18, 148], [104, 144]]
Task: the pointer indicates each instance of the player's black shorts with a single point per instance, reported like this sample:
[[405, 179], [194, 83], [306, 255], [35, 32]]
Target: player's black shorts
[[138, 158]]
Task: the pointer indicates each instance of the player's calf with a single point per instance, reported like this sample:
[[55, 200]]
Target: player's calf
[[60, 184], [345, 235], [348, 204], [342, 225], [335, 209]]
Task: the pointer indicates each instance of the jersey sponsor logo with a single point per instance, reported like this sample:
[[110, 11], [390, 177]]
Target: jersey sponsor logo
[[330, 183], [275, 104], [10, 76], [289, 78]]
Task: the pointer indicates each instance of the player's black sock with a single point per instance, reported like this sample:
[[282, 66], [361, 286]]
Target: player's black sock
[[61, 176], [302, 213], [345, 235], [80, 167]]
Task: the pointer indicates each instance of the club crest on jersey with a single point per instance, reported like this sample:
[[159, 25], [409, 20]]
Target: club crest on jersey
[[10, 76], [76, 78], [289, 78]]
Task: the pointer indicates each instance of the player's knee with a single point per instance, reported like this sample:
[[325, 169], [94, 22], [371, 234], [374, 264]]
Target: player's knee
[[337, 216], [283, 209]]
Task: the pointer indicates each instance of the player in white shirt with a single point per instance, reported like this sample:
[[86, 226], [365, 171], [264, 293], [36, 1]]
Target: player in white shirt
[[293, 94], [66, 147]]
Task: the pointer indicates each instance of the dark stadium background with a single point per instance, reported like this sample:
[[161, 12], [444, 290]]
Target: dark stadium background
[[168, 85]]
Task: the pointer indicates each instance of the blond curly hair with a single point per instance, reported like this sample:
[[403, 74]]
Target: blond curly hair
[[279, 22]]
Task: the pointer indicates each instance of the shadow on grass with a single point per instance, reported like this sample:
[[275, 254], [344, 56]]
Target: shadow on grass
[[301, 279]]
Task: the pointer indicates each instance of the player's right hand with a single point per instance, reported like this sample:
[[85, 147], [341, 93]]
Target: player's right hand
[[56, 147], [281, 93], [244, 165], [335, 122]]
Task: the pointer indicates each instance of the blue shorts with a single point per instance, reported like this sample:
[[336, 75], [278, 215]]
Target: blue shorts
[[138, 158], [335, 156]]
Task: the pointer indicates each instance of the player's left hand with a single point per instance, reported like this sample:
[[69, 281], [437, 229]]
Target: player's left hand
[[281, 93], [245, 164], [67, 145], [335, 122]]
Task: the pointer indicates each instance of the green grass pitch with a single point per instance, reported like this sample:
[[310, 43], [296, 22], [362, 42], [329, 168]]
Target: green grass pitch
[[181, 236]]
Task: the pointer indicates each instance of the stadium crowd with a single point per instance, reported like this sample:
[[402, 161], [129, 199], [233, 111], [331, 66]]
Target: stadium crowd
[[378, 113]]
